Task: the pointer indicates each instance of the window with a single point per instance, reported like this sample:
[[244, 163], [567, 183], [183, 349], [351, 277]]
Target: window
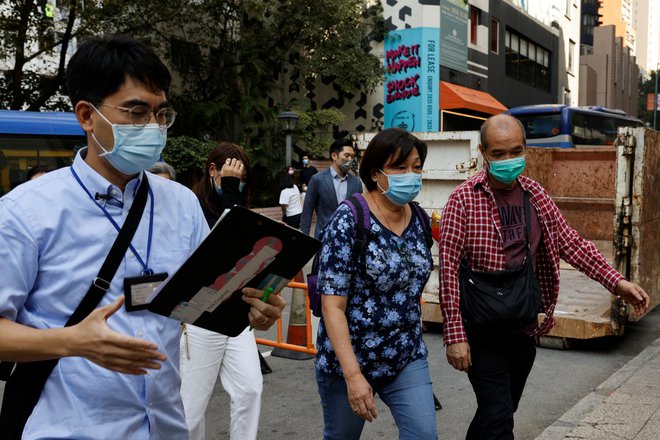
[[474, 24], [494, 35], [541, 126], [571, 52], [526, 61]]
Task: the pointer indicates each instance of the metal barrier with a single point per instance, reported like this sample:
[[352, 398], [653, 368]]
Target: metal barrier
[[309, 349]]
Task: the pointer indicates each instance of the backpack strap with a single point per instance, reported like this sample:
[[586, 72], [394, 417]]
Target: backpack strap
[[360, 210], [425, 220]]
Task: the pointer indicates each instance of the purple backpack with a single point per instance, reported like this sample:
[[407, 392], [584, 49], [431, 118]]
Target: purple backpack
[[362, 233]]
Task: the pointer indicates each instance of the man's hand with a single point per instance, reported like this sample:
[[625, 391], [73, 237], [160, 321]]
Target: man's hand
[[361, 397], [458, 356], [634, 295], [263, 314], [94, 340]]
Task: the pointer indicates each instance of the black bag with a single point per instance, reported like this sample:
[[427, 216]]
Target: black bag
[[507, 300], [26, 380]]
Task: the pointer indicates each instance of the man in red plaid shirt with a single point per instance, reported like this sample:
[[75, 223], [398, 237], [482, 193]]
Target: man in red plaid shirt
[[483, 224]]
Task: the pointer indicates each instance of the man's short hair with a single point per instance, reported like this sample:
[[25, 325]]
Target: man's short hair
[[483, 131], [339, 145], [163, 168], [100, 67]]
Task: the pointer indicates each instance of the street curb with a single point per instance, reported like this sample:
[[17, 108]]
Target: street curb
[[571, 418]]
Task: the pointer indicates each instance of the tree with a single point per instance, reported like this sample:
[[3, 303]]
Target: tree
[[646, 87], [236, 63], [35, 40]]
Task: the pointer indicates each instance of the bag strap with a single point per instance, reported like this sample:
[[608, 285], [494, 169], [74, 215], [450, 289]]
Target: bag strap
[[425, 220], [360, 210], [101, 283], [528, 221]]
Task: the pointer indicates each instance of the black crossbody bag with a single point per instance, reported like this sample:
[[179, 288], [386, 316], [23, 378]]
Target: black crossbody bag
[[506, 300], [26, 380]]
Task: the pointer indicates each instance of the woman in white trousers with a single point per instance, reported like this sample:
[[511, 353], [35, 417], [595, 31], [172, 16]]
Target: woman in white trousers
[[205, 354]]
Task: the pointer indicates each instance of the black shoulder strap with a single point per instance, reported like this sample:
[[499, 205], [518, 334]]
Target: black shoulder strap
[[360, 210], [24, 385], [425, 220]]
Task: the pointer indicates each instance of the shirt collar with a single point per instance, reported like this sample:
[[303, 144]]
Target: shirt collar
[[335, 175], [481, 180], [95, 183]]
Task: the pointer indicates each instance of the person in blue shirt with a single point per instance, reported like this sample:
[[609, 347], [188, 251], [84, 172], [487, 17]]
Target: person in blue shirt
[[370, 336], [117, 374]]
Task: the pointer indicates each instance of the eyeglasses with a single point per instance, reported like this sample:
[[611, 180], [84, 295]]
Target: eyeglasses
[[140, 115]]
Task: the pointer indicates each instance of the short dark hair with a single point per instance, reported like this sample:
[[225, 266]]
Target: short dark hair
[[483, 131], [286, 180], [37, 169], [100, 67], [339, 145], [386, 144]]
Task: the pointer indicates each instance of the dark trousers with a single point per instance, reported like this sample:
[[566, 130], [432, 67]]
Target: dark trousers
[[500, 366], [293, 221]]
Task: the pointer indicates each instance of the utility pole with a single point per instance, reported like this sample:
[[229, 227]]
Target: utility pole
[[655, 96]]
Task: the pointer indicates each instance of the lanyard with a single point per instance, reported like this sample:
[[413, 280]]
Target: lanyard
[[145, 265]]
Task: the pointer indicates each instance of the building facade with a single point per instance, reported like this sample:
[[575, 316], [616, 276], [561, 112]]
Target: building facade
[[512, 59], [610, 76], [646, 20]]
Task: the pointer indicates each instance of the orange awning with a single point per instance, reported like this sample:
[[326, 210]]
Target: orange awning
[[457, 97]]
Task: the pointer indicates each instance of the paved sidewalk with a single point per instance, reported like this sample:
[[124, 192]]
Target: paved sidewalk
[[625, 406]]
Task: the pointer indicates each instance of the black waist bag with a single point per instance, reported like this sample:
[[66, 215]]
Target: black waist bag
[[506, 300]]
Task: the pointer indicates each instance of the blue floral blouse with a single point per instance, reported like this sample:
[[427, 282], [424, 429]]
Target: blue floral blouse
[[383, 309]]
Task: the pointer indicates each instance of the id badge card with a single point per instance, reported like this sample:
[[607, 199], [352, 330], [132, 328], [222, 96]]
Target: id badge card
[[137, 290]]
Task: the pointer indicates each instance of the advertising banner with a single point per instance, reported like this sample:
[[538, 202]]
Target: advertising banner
[[412, 79], [454, 34], [649, 102]]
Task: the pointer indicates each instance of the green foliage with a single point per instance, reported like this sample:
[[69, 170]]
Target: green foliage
[[188, 157], [646, 86], [236, 63], [315, 130]]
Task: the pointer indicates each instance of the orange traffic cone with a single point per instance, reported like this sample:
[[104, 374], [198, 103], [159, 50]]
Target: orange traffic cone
[[297, 331]]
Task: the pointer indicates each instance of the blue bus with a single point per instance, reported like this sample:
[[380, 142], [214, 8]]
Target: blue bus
[[28, 139], [558, 125]]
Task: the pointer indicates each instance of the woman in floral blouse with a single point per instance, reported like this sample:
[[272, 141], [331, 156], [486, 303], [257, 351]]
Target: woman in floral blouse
[[370, 335]]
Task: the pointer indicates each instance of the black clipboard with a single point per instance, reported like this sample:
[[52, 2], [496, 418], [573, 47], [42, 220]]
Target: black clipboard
[[244, 249]]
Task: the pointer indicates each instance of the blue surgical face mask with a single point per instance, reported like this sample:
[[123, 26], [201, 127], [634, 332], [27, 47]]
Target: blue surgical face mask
[[136, 148], [402, 188], [305, 161], [508, 170]]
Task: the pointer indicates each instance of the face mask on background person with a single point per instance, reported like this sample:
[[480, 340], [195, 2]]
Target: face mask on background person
[[402, 188], [346, 166], [136, 148], [305, 161], [506, 171], [291, 172]]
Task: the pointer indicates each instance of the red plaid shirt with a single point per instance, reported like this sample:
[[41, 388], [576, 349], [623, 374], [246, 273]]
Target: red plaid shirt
[[470, 228]]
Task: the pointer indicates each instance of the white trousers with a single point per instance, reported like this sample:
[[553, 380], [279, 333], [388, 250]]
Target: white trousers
[[236, 361]]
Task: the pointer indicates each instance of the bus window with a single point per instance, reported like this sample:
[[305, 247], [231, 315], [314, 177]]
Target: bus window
[[541, 126], [28, 139], [560, 126]]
